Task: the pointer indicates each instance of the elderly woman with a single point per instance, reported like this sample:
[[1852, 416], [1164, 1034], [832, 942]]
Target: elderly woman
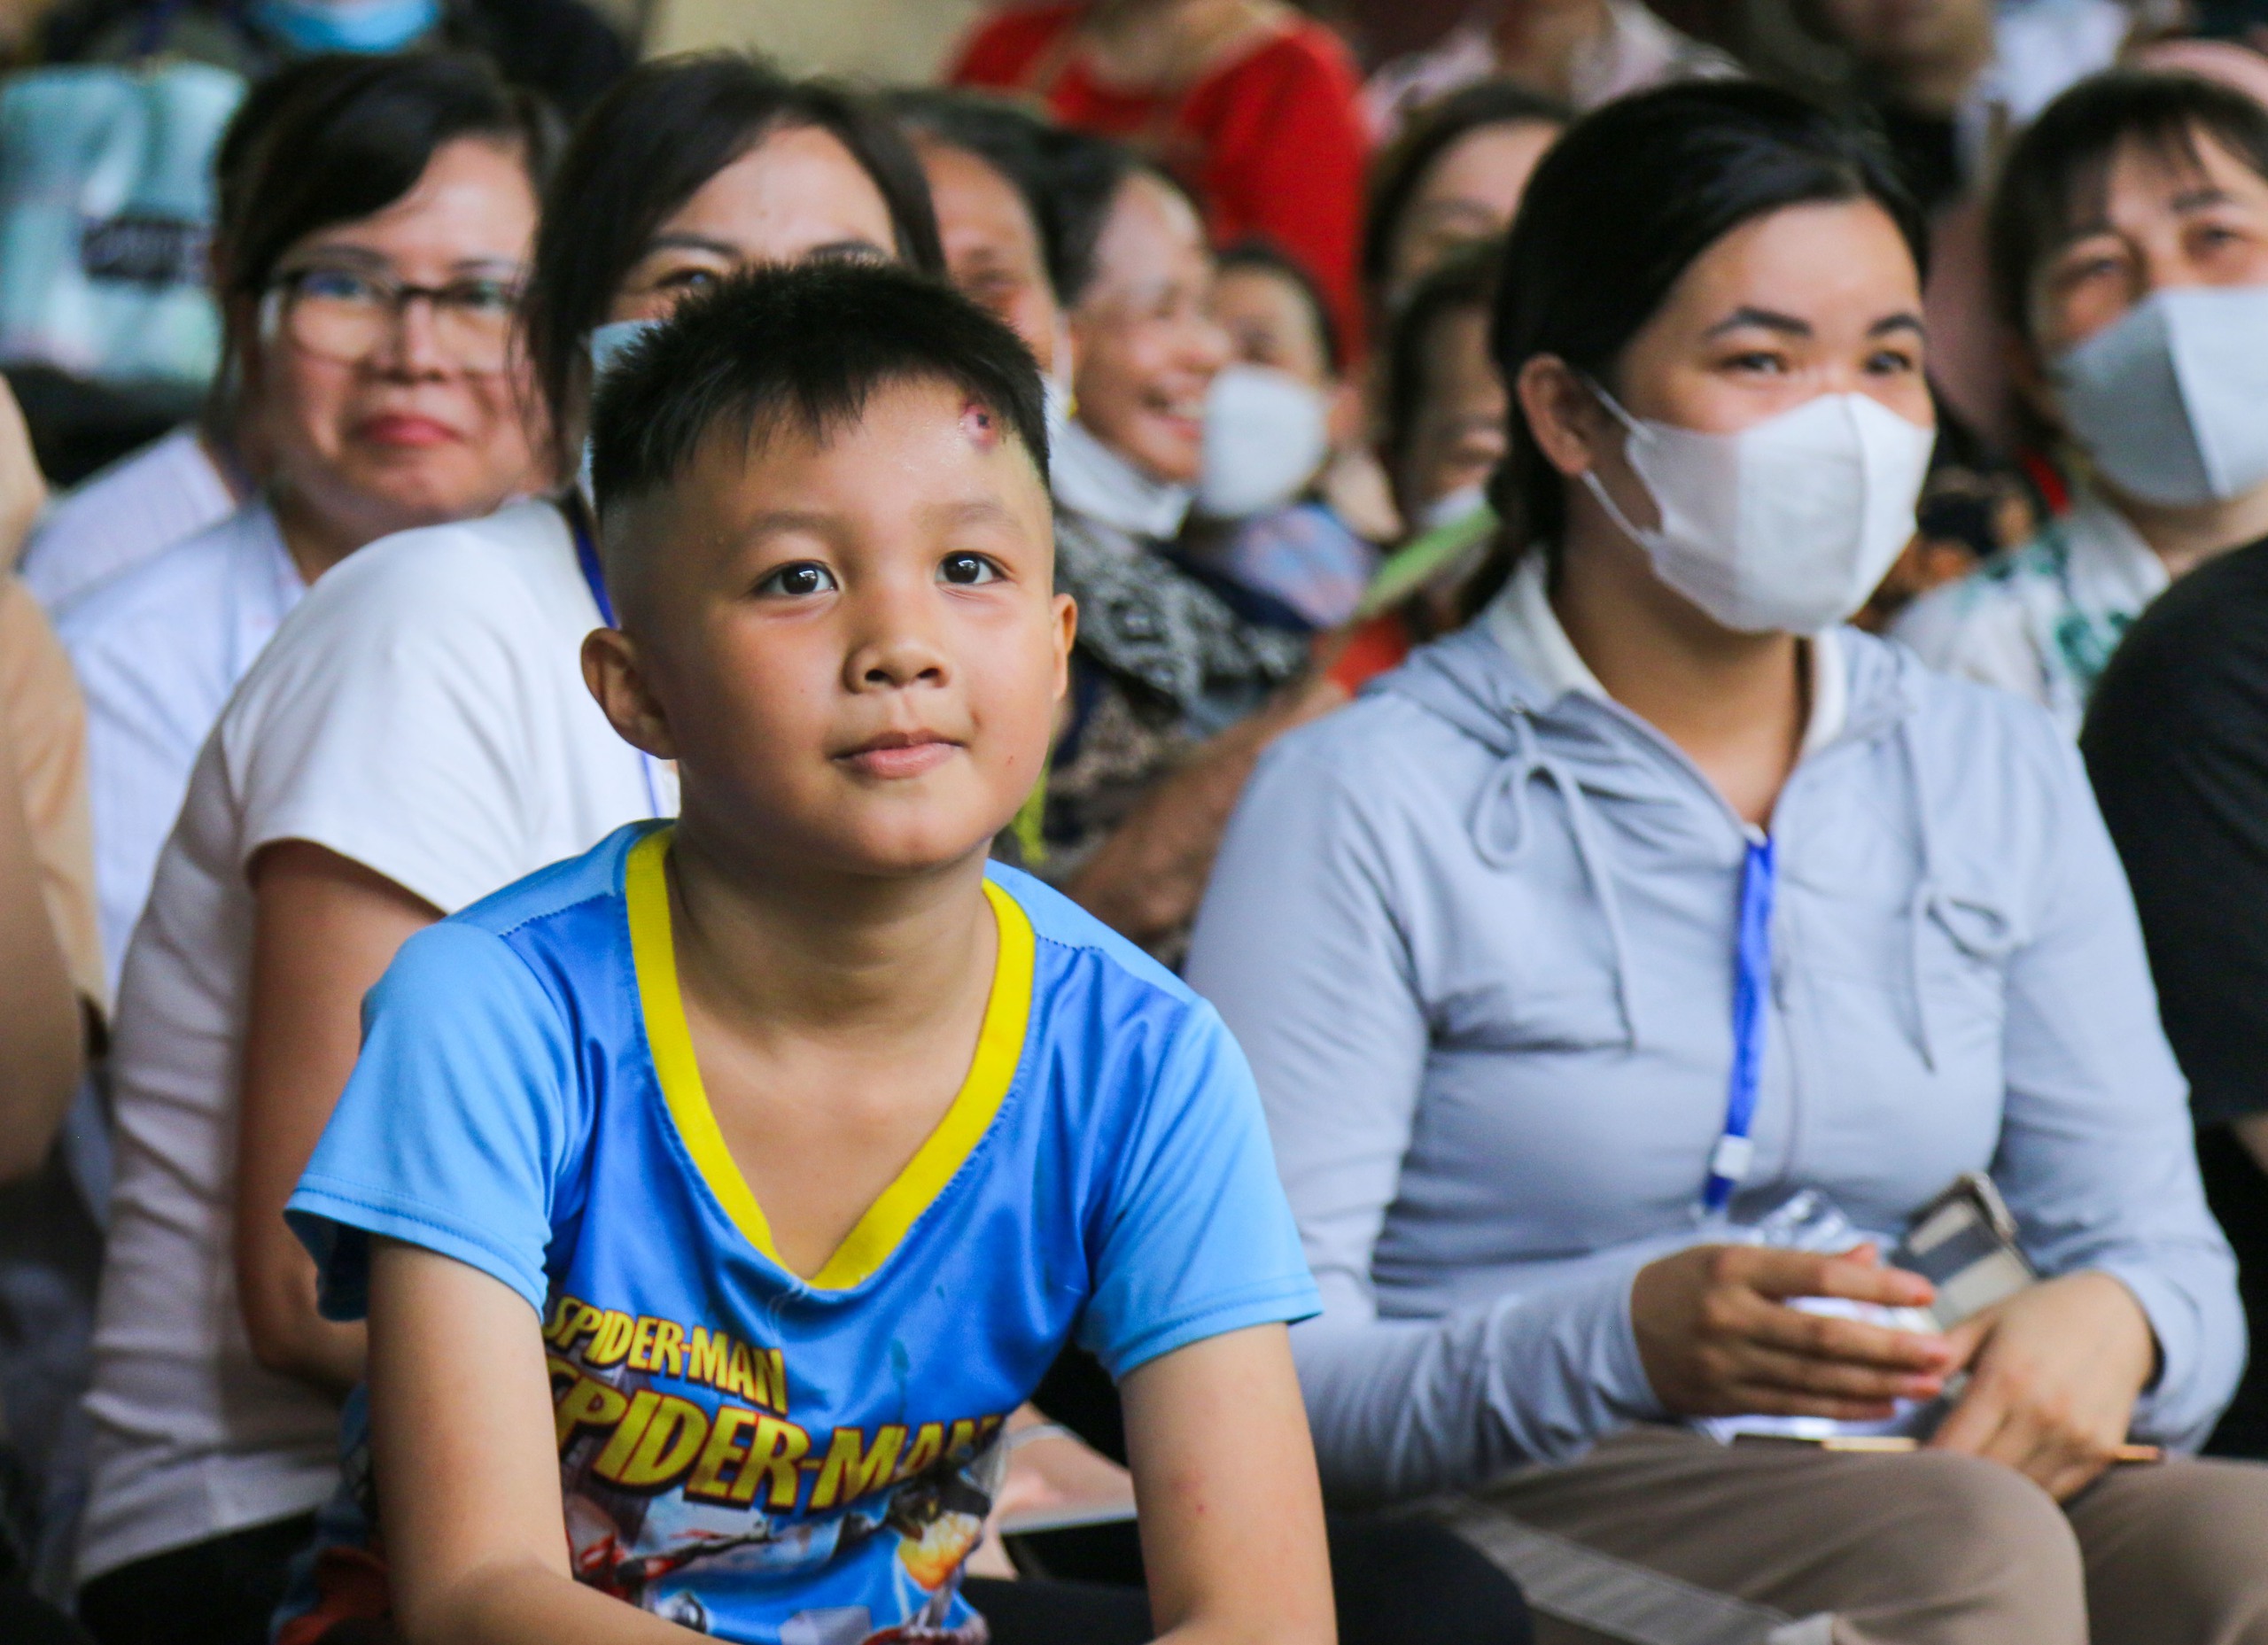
[[2130, 271], [369, 269], [1173, 693]]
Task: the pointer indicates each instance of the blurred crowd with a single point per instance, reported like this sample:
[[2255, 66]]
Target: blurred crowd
[[1420, 715]]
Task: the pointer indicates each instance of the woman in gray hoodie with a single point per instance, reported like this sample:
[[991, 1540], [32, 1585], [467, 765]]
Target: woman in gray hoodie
[[1589, 938]]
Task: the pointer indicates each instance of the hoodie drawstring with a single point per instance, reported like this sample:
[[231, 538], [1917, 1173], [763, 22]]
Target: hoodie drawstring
[[1501, 808]]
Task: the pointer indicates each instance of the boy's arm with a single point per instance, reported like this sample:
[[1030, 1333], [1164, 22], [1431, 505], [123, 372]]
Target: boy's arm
[[461, 1431], [1231, 1514]]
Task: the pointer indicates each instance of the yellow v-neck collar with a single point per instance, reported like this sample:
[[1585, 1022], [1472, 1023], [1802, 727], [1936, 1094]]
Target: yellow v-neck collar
[[999, 1047]]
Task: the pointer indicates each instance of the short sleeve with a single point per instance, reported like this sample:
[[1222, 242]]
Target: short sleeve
[[387, 721], [1197, 1240], [455, 1127]]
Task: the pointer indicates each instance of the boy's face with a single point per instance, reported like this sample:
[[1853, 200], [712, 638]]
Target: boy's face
[[853, 648]]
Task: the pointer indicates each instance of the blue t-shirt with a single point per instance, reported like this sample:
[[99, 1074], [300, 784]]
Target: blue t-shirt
[[756, 1455]]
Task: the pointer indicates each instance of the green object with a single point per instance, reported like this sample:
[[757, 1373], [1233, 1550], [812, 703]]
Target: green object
[[1030, 816], [1417, 562]]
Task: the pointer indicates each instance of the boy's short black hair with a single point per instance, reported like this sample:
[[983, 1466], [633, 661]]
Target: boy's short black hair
[[804, 344], [2054, 178]]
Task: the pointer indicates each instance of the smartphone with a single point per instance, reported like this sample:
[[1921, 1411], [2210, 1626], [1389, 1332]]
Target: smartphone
[[1964, 1243]]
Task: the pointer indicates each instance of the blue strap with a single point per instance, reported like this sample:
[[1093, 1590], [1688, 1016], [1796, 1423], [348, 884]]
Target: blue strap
[[587, 556], [1728, 1162]]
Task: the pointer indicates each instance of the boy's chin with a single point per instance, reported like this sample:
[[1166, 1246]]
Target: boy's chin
[[908, 848]]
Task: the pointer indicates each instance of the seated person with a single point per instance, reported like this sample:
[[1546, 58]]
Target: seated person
[[1453, 179], [192, 477], [1584, 943], [989, 165], [52, 1002], [563, 50], [713, 1196], [1947, 78], [1172, 690], [2176, 744], [1254, 107], [1286, 498], [2130, 270], [1442, 435], [382, 176], [415, 736], [1581, 53]]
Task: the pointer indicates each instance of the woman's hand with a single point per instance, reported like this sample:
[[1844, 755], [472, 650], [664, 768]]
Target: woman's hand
[[1717, 1339], [2053, 1374]]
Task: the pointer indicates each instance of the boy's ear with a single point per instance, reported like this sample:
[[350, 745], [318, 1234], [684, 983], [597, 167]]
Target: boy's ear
[[1067, 630], [611, 671]]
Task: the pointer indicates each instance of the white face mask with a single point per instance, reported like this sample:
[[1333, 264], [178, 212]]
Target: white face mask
[[1266, 435], [1786, 526], [1089, 478], [2171, 400], [1452, 507]]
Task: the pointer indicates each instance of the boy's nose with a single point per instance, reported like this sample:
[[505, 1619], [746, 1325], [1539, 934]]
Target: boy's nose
[[897, 655]]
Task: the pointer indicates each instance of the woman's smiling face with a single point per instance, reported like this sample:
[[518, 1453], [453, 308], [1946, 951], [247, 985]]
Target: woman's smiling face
[[1147, 345]]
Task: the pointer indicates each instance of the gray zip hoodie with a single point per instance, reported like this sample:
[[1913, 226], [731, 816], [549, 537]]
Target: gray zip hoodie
[[1478, 939]]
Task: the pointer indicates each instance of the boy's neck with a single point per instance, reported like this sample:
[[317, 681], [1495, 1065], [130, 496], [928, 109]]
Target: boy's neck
[[792, 951]]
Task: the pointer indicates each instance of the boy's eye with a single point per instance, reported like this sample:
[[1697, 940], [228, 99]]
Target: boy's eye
[[805, 577], [967, 570]]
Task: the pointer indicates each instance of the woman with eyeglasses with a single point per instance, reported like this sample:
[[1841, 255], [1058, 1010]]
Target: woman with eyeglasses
[[416, 735], [368, 278]]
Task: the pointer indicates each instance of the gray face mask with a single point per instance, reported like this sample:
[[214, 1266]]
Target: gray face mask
[[2168, 399]]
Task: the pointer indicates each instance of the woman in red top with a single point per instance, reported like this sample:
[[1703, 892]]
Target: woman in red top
[[1255, 107]]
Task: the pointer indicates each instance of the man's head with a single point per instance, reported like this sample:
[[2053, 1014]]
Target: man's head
[[1925, 52], [823, 508]]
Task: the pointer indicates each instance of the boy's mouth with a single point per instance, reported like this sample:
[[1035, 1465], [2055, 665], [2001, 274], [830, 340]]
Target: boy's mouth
[[895, 753]]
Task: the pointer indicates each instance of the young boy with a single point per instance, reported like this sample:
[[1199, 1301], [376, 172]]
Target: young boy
[[713, 1196]]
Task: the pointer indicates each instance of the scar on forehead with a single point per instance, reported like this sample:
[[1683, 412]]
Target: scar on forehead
[[981, 427]]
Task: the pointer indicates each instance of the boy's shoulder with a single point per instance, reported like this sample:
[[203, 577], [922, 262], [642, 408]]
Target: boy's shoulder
[[1057, 921], [1087, 972], [565, 888]]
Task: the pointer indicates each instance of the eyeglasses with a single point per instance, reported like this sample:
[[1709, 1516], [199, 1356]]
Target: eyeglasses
[[345, 315]]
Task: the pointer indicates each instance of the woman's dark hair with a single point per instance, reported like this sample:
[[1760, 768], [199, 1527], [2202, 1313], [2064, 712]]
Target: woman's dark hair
[[645, 149], [2054, 182], [1268, 258], [1618, 211], [1465, 283], [334, 138], [1012, 141], [1400, 172], [1084, 174]]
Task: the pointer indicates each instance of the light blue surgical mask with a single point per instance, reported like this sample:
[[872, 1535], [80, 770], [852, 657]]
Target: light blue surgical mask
[[366, 26], [609, 344], [2167, 399]]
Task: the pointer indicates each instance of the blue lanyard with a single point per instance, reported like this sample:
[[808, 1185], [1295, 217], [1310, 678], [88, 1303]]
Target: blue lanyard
[[1730, 1161], [587, 556]]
